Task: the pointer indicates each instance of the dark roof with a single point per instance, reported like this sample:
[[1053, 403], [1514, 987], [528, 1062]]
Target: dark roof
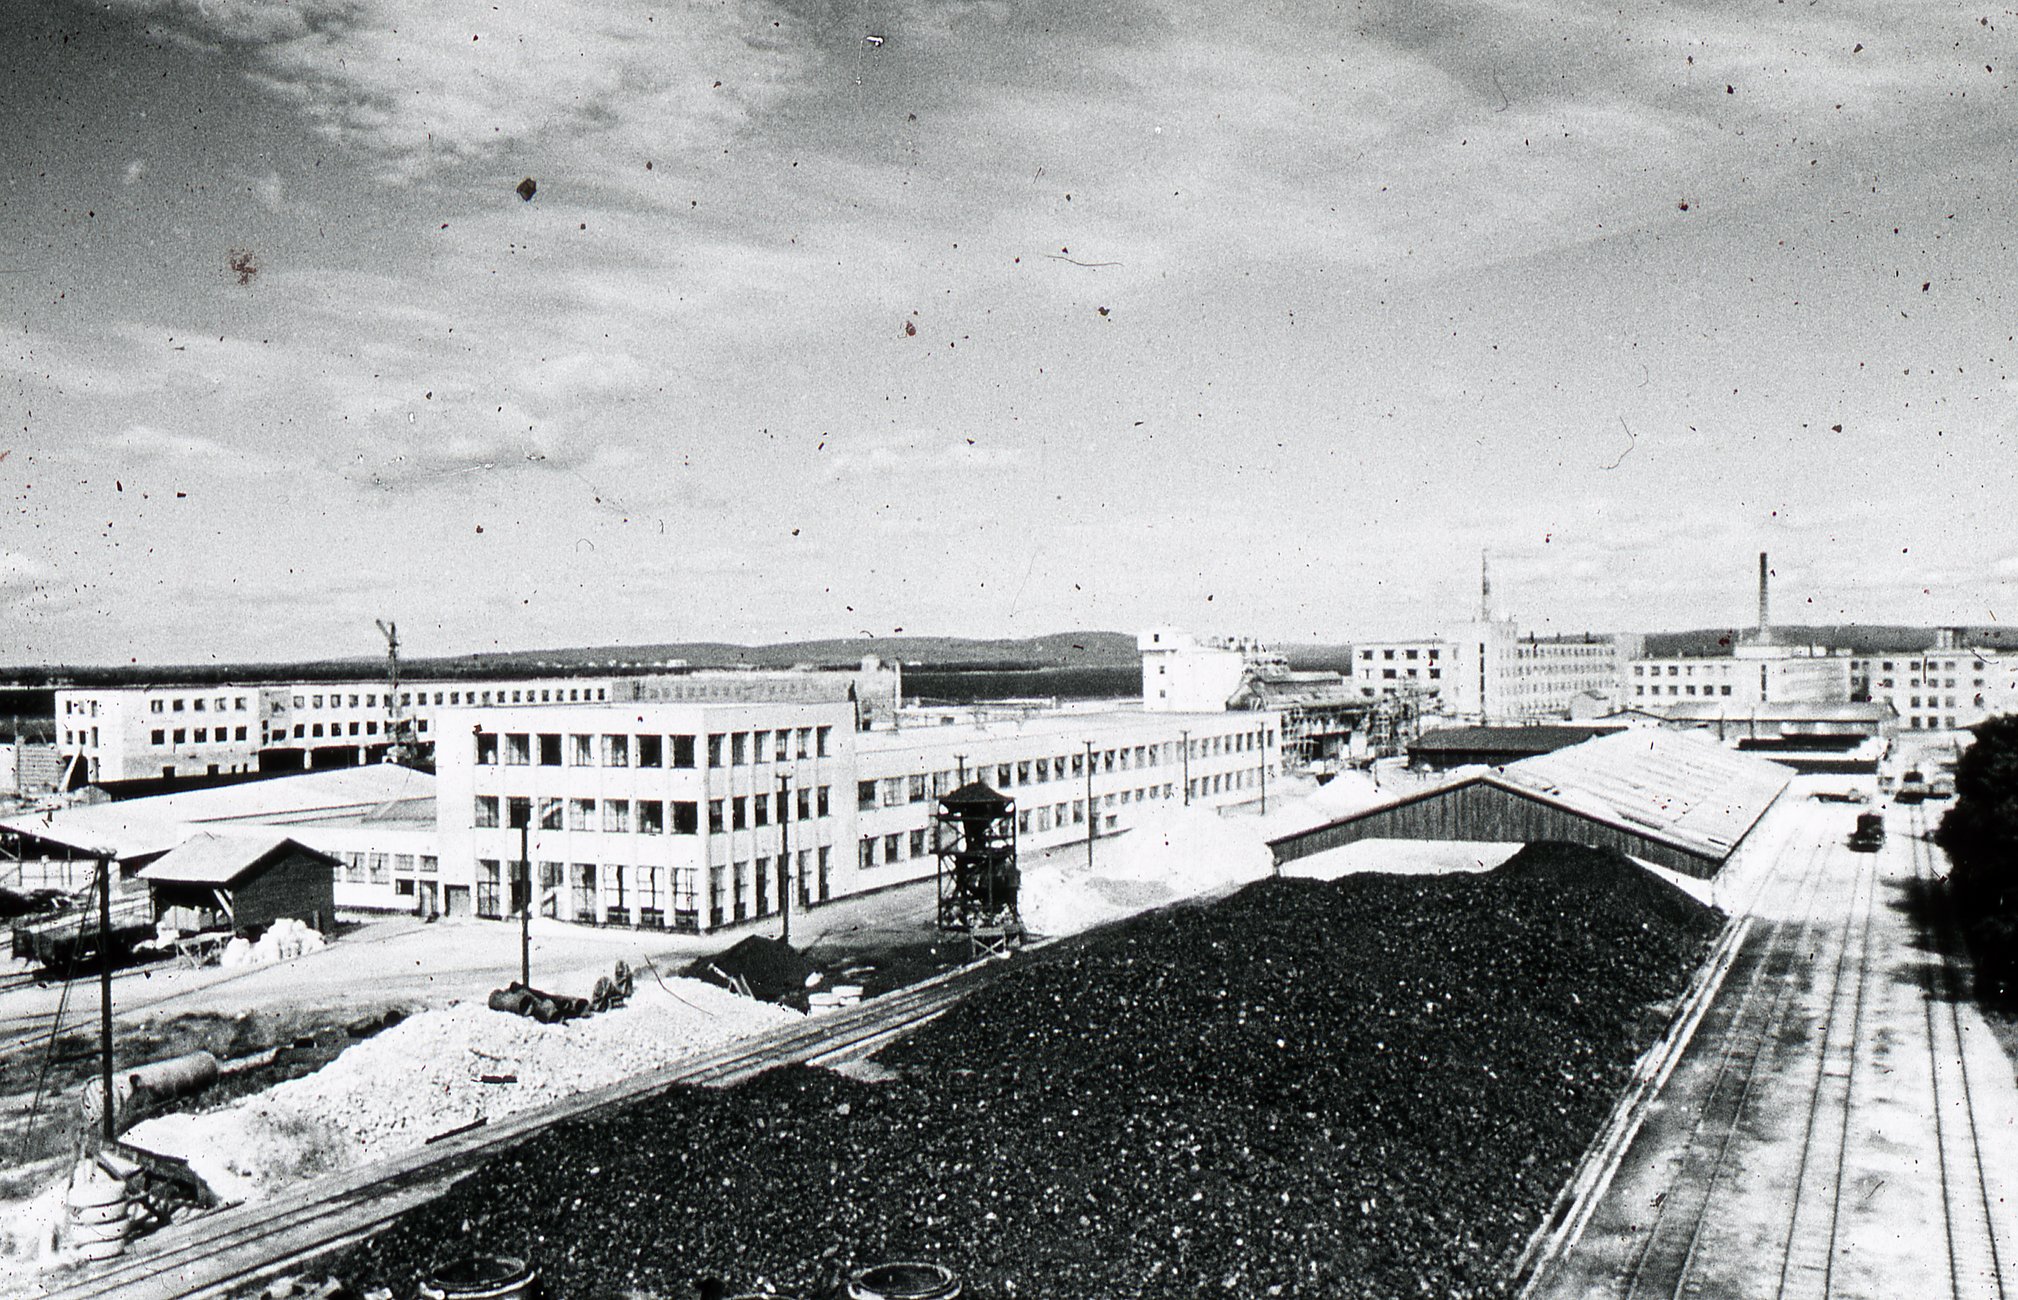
[[976, 792], [1508, 740]]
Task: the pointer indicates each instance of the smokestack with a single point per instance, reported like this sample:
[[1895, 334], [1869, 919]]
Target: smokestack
[[1765, 620], [1484, 587]]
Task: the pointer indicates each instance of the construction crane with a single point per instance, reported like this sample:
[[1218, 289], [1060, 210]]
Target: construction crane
[[399, 741]]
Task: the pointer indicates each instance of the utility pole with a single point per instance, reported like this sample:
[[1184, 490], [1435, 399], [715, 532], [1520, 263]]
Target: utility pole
[[526, 898], [105, 995], [395, 723], [1092, 809], [786, 876], [1264, 770], [1187, 767]]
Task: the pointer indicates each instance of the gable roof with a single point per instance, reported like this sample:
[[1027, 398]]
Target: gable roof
[[218, 860]]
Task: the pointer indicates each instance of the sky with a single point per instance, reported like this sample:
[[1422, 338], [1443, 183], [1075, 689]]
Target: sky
[[996, 319]]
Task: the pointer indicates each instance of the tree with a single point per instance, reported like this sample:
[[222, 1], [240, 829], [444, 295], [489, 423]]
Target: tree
[[1980, 835]]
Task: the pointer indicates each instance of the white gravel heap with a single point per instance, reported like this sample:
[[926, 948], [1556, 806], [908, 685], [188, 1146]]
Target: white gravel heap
[[424, 1076], [1171, 854]]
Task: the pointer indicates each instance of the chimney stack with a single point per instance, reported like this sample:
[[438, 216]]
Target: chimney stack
[[1484, 587], [1765, 621]]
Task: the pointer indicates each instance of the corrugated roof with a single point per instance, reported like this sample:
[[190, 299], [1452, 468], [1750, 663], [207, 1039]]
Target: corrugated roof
[[211, 859], [136, 828], [1674, 787], [1687, 790]]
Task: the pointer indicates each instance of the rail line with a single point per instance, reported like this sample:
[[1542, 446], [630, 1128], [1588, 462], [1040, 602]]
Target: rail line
[[1808, 1254], [228, 1252], [1666, 1260], [1968, 1210]]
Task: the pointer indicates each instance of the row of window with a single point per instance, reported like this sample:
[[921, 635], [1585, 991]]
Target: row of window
[[555, 749], [1682, 690], [193, 704], [407, 699], [653, 816], [376, 868], [194, 736]]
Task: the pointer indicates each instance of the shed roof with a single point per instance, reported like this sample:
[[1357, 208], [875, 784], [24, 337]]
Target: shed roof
[[219, 860], [1874, 711]]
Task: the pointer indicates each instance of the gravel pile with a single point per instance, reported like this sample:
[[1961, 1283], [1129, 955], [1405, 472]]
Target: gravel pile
[[441, 1069], [1369, 1087]]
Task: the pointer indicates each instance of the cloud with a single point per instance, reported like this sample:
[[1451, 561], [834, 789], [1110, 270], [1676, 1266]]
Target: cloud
[[862, 456], [147, 440], [21, 576]]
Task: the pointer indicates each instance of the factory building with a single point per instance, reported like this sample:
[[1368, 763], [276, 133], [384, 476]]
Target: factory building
[[1324, 720], [1674, 799], [111, 735], [1950, 684], [695, 815], [1490, 672]]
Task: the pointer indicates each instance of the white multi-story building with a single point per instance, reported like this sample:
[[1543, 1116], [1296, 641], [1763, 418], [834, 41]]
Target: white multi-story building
[[138, 733], [1948, 686], [694, 815], [1750, 674], [1488, 671]]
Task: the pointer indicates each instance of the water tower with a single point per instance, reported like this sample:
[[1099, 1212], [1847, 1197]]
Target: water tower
[[978, 877]]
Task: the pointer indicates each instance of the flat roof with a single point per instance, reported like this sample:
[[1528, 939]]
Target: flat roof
[[1069, 728], [377, 795], [1830, 711], [1512, 740]]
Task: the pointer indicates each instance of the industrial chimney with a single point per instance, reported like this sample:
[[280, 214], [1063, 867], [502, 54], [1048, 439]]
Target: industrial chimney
[[1765, 619]]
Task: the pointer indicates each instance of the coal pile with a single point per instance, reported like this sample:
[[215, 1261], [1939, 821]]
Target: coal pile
[[769, 970], [1370, 1087]]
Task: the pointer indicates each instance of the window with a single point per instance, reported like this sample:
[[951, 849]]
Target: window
[[865, 792], [715, 750], [825, 809], [582, 751], [197, 705], [550, 888], [202, 736], [157, 736], [916, 788], [581, 814], [616, 751], [613, 879], [891, 843], [651, 751], [742, 896], [781, 749], [820, 740], [803, 741], [651, 817], [486, 811], [1003, 773], [804, 804], [739, 751], [717, 900], [739, 813], [868, 850], [153, 706], [486, 748], [763, 809], [683, 751], [376, 865], [715, 822], [518, 812], [893, 791], [428, 864], [550, 749], [488, 880], [585, 891], [918, 844], [551, 811], [686, 817]]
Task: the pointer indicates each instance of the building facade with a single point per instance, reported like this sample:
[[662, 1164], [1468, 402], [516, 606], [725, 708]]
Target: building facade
[[1750, 674], [139, 733], [1489, 672], [1950, 685], [696, 815]]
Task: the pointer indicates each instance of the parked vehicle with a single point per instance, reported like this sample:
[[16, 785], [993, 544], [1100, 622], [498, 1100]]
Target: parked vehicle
[[1869, 836], [1912, 787]]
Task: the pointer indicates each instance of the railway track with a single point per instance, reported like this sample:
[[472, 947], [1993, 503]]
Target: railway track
[[1667, 1261], [1970, 1212], [234, 1250]]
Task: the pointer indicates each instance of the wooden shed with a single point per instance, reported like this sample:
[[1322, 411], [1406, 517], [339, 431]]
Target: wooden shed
[[1677, 800], [242, 882]]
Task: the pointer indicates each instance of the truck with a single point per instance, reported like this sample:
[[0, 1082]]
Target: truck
[[1912, 787], [1869, 836]]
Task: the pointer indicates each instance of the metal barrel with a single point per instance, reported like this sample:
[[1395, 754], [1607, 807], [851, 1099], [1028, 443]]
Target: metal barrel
[[482, 1277]]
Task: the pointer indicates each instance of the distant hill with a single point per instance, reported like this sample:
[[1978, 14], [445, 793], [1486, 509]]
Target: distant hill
[[1058, 650], [1863, 638]]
